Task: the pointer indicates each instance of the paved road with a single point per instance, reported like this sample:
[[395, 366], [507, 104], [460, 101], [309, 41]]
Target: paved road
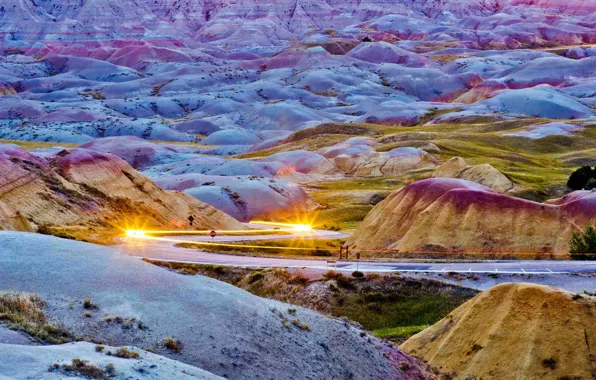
[[166, 251]]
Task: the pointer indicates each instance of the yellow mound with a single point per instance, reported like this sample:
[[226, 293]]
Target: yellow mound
[[514, 331]]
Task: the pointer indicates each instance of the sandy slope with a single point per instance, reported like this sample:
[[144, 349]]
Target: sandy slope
[[511, 331], [224, 330]]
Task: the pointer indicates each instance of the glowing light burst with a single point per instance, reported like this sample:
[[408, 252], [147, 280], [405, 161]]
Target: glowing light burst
[[137, 234]]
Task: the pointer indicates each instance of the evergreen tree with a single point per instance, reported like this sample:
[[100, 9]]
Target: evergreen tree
[[583, 245]]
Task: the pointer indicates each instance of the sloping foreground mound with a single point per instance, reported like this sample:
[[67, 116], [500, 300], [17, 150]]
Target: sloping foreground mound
[[223, 329], [34, 362], [79, 186], [514, 331], [454, 215]]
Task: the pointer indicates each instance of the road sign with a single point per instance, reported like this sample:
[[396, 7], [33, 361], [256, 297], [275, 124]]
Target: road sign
[[213, 234]]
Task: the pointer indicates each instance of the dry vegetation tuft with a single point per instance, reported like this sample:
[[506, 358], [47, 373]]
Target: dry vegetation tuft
[[25, 312]]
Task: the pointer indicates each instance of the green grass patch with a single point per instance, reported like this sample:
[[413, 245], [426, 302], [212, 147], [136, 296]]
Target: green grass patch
[[402, 332]]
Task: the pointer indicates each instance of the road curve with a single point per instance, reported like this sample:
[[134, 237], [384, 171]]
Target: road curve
[[165, 250]]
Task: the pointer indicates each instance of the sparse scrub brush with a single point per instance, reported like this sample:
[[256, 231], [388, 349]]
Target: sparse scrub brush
[[125, 353], [172, 344]]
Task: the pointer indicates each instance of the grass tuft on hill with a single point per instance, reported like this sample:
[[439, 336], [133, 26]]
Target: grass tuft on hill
[[25, 312]]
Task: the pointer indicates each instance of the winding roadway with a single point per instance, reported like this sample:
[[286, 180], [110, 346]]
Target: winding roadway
[[164, 249]]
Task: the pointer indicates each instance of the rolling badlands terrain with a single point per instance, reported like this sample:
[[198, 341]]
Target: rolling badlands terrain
[[420, 126], [206, 80]]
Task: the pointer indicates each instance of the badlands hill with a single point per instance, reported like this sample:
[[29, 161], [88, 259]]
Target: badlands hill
[[83, 187], [223, 330], [454, 215], [514, 331]]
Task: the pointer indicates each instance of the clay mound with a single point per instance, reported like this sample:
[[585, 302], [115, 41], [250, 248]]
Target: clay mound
[[454, 216], [484, 174], [514, 331], [79, 186]]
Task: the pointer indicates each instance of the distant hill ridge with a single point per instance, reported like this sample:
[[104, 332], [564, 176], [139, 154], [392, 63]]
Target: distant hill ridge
[[73, 20]]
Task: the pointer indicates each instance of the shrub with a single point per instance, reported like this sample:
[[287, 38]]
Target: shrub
[[344, 282], [583, 245], [591, 185], [331, 274], [87, 304], [110, 370], [254, 277], [172, 344], [99, 348], [125, 353], [579, 178], [357, 274], [83, 368]]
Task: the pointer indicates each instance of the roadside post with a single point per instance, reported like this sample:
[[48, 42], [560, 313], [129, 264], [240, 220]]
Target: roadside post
[[213, 235], [358, 261]]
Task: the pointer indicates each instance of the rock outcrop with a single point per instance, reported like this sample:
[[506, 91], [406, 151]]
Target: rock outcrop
[[484, 174], [514, 331], [79, 186], [357, 157], [458, 216]]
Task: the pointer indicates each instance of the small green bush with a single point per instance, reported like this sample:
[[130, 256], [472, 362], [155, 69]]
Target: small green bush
[[357, 274], [591, 185], [583, 245]]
